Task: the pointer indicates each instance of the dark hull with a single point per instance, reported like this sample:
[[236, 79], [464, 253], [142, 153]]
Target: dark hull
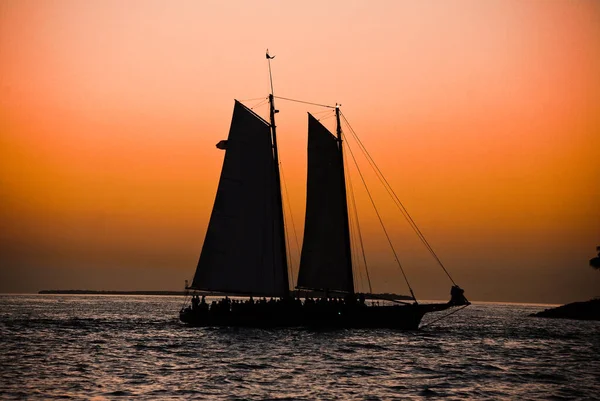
[[401, 317]]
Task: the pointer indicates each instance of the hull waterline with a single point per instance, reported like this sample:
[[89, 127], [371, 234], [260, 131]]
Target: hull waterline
[[401, 317]]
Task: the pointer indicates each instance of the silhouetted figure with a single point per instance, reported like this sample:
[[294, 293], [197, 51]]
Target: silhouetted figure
[[457, 296], [195, 302]]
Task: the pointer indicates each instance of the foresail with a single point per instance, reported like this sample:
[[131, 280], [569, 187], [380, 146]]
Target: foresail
[[241, 252], [324, 261]]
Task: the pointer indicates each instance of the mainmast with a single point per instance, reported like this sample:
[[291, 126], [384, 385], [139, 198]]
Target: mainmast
[[344, 200], [278, 197]]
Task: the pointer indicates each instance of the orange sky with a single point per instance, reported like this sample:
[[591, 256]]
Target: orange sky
[[484, 116]]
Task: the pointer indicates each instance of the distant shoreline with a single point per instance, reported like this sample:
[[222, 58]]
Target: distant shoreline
[[108, 292], [586, 310], [302, 294]]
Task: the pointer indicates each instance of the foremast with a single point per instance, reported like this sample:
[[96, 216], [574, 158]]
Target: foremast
[[278, 197]]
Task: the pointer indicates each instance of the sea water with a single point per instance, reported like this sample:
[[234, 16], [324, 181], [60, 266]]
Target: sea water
[[124, 347]]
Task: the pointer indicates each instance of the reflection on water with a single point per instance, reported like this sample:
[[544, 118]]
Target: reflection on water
[[106, 347]]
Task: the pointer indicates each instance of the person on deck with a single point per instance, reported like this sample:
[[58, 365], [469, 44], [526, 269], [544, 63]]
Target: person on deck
[[457, 296]]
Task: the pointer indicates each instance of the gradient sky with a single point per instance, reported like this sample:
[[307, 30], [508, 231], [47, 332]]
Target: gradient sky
[[484, 117]]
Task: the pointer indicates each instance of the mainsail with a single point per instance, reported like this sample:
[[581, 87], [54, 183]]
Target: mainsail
[[325, 262], [241, 252]]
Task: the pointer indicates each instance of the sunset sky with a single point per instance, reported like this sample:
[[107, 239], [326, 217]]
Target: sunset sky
[[483, 115]]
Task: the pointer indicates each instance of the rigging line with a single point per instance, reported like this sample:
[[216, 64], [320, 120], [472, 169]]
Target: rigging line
[[357, 279], [356, 270], [354, 263], [290, 261], [381, 222], [323, 114], [399, 204], [259, 104], [385, 184], [287, 195], [359, 284], [356, 251], [391, 193], [185, 298], [326, 117], [289, 257], [355, 209], [255, 98], [259, 101], [302, 101], [443, 317]]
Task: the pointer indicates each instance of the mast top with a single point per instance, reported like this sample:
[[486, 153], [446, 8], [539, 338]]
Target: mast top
[[269, 58]]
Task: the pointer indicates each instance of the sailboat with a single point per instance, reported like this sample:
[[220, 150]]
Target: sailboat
[[244, 251]]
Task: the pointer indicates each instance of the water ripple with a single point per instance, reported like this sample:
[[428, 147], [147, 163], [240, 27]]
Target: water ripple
[[105, 348]]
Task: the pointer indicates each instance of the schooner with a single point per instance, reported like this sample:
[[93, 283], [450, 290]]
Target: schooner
[[244, 250]]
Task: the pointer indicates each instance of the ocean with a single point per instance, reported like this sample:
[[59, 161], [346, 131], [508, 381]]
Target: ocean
[[125, 347]]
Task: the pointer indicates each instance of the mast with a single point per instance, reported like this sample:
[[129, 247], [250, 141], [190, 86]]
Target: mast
[[344, 200], [278, 197]]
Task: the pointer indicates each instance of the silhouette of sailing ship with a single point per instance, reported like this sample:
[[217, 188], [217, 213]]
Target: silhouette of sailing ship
[[244, 251]]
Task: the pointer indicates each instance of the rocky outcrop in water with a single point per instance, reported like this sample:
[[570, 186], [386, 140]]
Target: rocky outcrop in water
[[588, 310]]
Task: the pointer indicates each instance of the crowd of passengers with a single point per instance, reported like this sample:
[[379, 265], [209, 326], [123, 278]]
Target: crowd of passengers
[[292, 305], [235, 305]]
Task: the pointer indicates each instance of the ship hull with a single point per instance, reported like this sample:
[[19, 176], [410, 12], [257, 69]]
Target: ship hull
[[400, 317]]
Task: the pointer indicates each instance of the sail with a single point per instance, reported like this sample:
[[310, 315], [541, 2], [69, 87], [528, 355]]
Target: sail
[[325, 261], [241, 252]]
